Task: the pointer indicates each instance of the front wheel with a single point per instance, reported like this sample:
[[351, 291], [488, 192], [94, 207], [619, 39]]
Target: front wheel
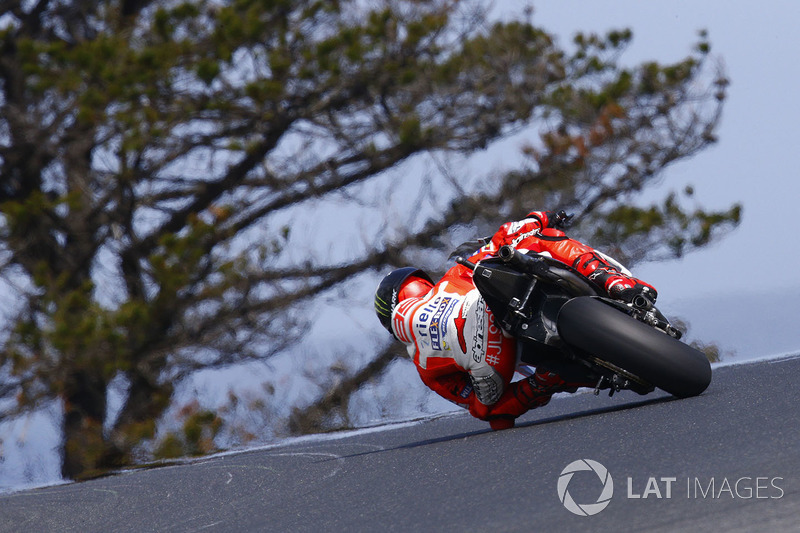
[[605, 332]]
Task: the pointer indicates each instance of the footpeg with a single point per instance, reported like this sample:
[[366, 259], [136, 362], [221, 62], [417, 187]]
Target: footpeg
[[599, 385]]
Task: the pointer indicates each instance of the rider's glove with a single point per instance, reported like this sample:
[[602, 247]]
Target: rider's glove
[[639, 295], [558, 220]]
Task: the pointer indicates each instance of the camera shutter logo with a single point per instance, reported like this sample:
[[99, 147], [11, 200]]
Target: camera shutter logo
[[586, 509]]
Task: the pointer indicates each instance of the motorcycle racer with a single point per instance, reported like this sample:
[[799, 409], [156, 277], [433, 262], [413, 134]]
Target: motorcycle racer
[[459, 350]]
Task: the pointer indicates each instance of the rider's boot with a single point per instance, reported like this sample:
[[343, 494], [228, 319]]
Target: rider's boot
[[550, 383]]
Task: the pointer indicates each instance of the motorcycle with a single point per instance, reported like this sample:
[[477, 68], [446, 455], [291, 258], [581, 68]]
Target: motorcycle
[[564, 323]]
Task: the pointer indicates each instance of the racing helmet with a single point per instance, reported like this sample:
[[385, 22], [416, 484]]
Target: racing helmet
[[407, 282]]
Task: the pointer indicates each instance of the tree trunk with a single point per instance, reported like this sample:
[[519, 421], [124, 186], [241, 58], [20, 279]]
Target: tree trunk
[[85, 452], [144, 406]]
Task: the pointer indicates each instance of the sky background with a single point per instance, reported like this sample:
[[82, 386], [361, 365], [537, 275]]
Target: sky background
[[743, 291]]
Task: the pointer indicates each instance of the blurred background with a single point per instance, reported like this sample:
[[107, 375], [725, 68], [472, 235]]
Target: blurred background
[[739, 293]]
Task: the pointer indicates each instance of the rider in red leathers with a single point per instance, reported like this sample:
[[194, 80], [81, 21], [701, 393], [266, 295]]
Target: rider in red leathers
[[459, 350]]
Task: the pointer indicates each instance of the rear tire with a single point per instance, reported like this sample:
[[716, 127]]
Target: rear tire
[[605, 332]]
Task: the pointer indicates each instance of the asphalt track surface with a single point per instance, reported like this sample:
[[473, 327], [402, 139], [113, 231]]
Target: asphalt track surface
[[727, 460]]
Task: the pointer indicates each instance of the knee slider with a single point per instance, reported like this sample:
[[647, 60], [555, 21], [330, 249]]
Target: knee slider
[[488, 387]]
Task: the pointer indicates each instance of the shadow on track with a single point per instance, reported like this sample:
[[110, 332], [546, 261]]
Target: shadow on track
[[597, 411], [543, 421]]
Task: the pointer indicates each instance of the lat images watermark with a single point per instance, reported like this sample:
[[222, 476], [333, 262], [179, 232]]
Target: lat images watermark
[[661, 487], [586, 509]]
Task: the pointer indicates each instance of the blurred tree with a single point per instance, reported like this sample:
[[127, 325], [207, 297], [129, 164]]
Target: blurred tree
[[146, 147]]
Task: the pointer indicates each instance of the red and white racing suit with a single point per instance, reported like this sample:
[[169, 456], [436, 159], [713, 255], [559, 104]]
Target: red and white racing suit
[[457, 346]]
